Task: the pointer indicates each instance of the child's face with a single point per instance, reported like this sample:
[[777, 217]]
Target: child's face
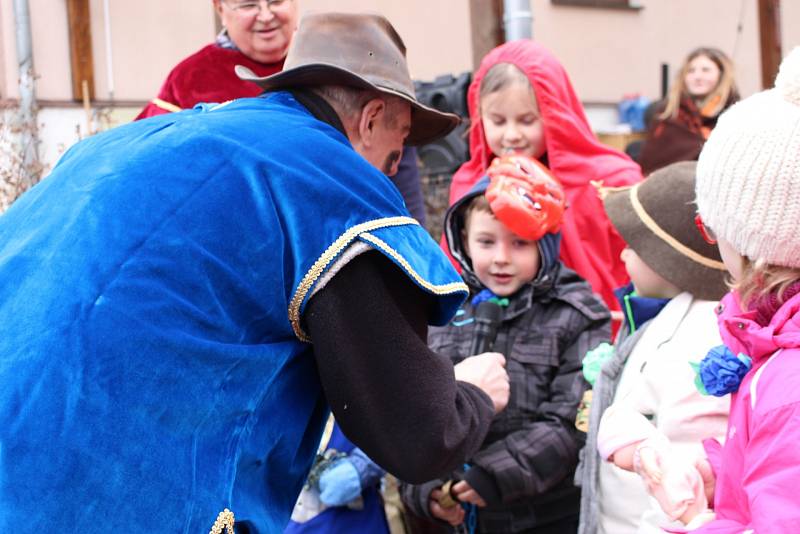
[[646, 281], [512, 122], [502, 261], [702, 77]]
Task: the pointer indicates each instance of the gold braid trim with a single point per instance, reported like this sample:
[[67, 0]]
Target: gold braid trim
[[163, 104], [333, 250], [445, 289], [653, 226], [224, 523]]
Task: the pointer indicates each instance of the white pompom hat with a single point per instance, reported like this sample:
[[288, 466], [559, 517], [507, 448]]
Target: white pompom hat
[[748, 174]]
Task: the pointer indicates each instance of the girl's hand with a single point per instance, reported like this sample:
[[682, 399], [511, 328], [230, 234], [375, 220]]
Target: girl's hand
[[649, 465], [463, 492], [454, 516], [709, 480]]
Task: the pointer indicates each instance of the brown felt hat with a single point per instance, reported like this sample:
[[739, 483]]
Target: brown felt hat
[[357, 50], [656, 219]]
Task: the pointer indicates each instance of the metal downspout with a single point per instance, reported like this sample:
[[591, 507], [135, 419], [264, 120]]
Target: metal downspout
[[517, 19], [29, 140]]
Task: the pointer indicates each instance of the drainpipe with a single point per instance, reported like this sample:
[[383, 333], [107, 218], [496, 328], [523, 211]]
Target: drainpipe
[[518, 19], [27, 96]]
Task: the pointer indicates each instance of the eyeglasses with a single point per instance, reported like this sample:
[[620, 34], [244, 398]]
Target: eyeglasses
[[249, 8], [708, 235]]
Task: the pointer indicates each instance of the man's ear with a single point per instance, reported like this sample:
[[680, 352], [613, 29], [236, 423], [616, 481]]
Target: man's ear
[[371, 113], [218, 7]]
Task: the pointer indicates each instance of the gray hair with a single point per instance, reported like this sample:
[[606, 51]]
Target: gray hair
[[349, 101]]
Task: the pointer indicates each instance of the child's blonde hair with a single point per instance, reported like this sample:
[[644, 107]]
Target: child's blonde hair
[[720, 95], [499, 77], [759, 279]]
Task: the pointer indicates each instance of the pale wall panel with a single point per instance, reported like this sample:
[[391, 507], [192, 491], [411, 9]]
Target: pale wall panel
[[50, 49], [611, 52], [148, 38], [7, 49], [790, 24], [436, 32]]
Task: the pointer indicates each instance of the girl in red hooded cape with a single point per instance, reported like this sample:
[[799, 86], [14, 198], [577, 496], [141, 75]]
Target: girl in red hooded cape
[[569, 149]]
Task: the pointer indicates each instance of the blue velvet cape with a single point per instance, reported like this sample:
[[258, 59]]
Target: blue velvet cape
[[153, 365]]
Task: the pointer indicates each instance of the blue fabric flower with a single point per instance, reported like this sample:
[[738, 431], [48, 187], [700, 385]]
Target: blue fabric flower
[[721, 372]]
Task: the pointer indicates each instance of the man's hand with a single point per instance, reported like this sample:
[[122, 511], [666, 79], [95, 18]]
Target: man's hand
[[454, 516], [463, 492], [487, 371]]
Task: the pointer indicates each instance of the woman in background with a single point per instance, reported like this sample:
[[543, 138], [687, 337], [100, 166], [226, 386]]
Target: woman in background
[[703, 89]]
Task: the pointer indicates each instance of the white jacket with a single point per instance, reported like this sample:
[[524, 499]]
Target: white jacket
[[658, 382]]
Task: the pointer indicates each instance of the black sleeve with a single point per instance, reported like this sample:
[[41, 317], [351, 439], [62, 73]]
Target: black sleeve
[[392, 396], [416, 497]]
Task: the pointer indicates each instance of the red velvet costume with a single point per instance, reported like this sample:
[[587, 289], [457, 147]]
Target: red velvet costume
[[207, 76], [590, 245]]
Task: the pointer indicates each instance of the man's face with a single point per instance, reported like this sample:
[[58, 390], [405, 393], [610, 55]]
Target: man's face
[[260, 29], [390, 131]]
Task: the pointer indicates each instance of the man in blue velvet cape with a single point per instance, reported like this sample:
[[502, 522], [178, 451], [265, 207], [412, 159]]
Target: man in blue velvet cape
[[184, 296]]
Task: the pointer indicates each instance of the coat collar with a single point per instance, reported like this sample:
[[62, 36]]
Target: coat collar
[[671, 317], [742, 333]]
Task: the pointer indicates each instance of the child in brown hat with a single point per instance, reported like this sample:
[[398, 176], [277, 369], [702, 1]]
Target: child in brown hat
[[669, 323]]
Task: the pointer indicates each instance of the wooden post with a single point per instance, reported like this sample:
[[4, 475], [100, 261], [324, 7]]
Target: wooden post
[[486, 27], [80, 48], [769, 30]]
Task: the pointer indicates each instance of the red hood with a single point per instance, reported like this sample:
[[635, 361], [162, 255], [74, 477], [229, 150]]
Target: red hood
[[591, 246]]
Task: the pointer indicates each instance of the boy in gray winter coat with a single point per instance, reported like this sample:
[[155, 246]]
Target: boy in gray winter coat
[[545, 319]]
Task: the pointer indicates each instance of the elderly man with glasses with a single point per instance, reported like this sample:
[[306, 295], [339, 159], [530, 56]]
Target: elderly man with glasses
[[256, 34]]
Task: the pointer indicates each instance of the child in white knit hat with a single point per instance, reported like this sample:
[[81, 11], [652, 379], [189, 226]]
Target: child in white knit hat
[[748, 198]]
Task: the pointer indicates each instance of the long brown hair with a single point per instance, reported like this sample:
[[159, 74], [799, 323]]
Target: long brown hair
[[723, 94]]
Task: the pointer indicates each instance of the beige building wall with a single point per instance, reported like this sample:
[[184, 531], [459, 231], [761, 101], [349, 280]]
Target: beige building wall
[[147, 37], [436, 32], [610, 52], [607, 52]]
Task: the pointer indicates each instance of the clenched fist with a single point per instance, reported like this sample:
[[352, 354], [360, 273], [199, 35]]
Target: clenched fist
[[488, 372]]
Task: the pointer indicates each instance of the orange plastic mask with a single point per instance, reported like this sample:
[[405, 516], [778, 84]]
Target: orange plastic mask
[[525, 197]]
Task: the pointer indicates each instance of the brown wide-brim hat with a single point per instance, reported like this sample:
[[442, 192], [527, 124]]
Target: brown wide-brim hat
[[356, 50], [656, 219]]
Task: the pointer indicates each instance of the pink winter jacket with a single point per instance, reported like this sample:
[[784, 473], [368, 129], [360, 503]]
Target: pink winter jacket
[[758, 479]]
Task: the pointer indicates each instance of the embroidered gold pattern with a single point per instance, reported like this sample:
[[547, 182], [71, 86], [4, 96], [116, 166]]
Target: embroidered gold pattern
[[224, 523], [668, 239], [336, 247], [163, 104]]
